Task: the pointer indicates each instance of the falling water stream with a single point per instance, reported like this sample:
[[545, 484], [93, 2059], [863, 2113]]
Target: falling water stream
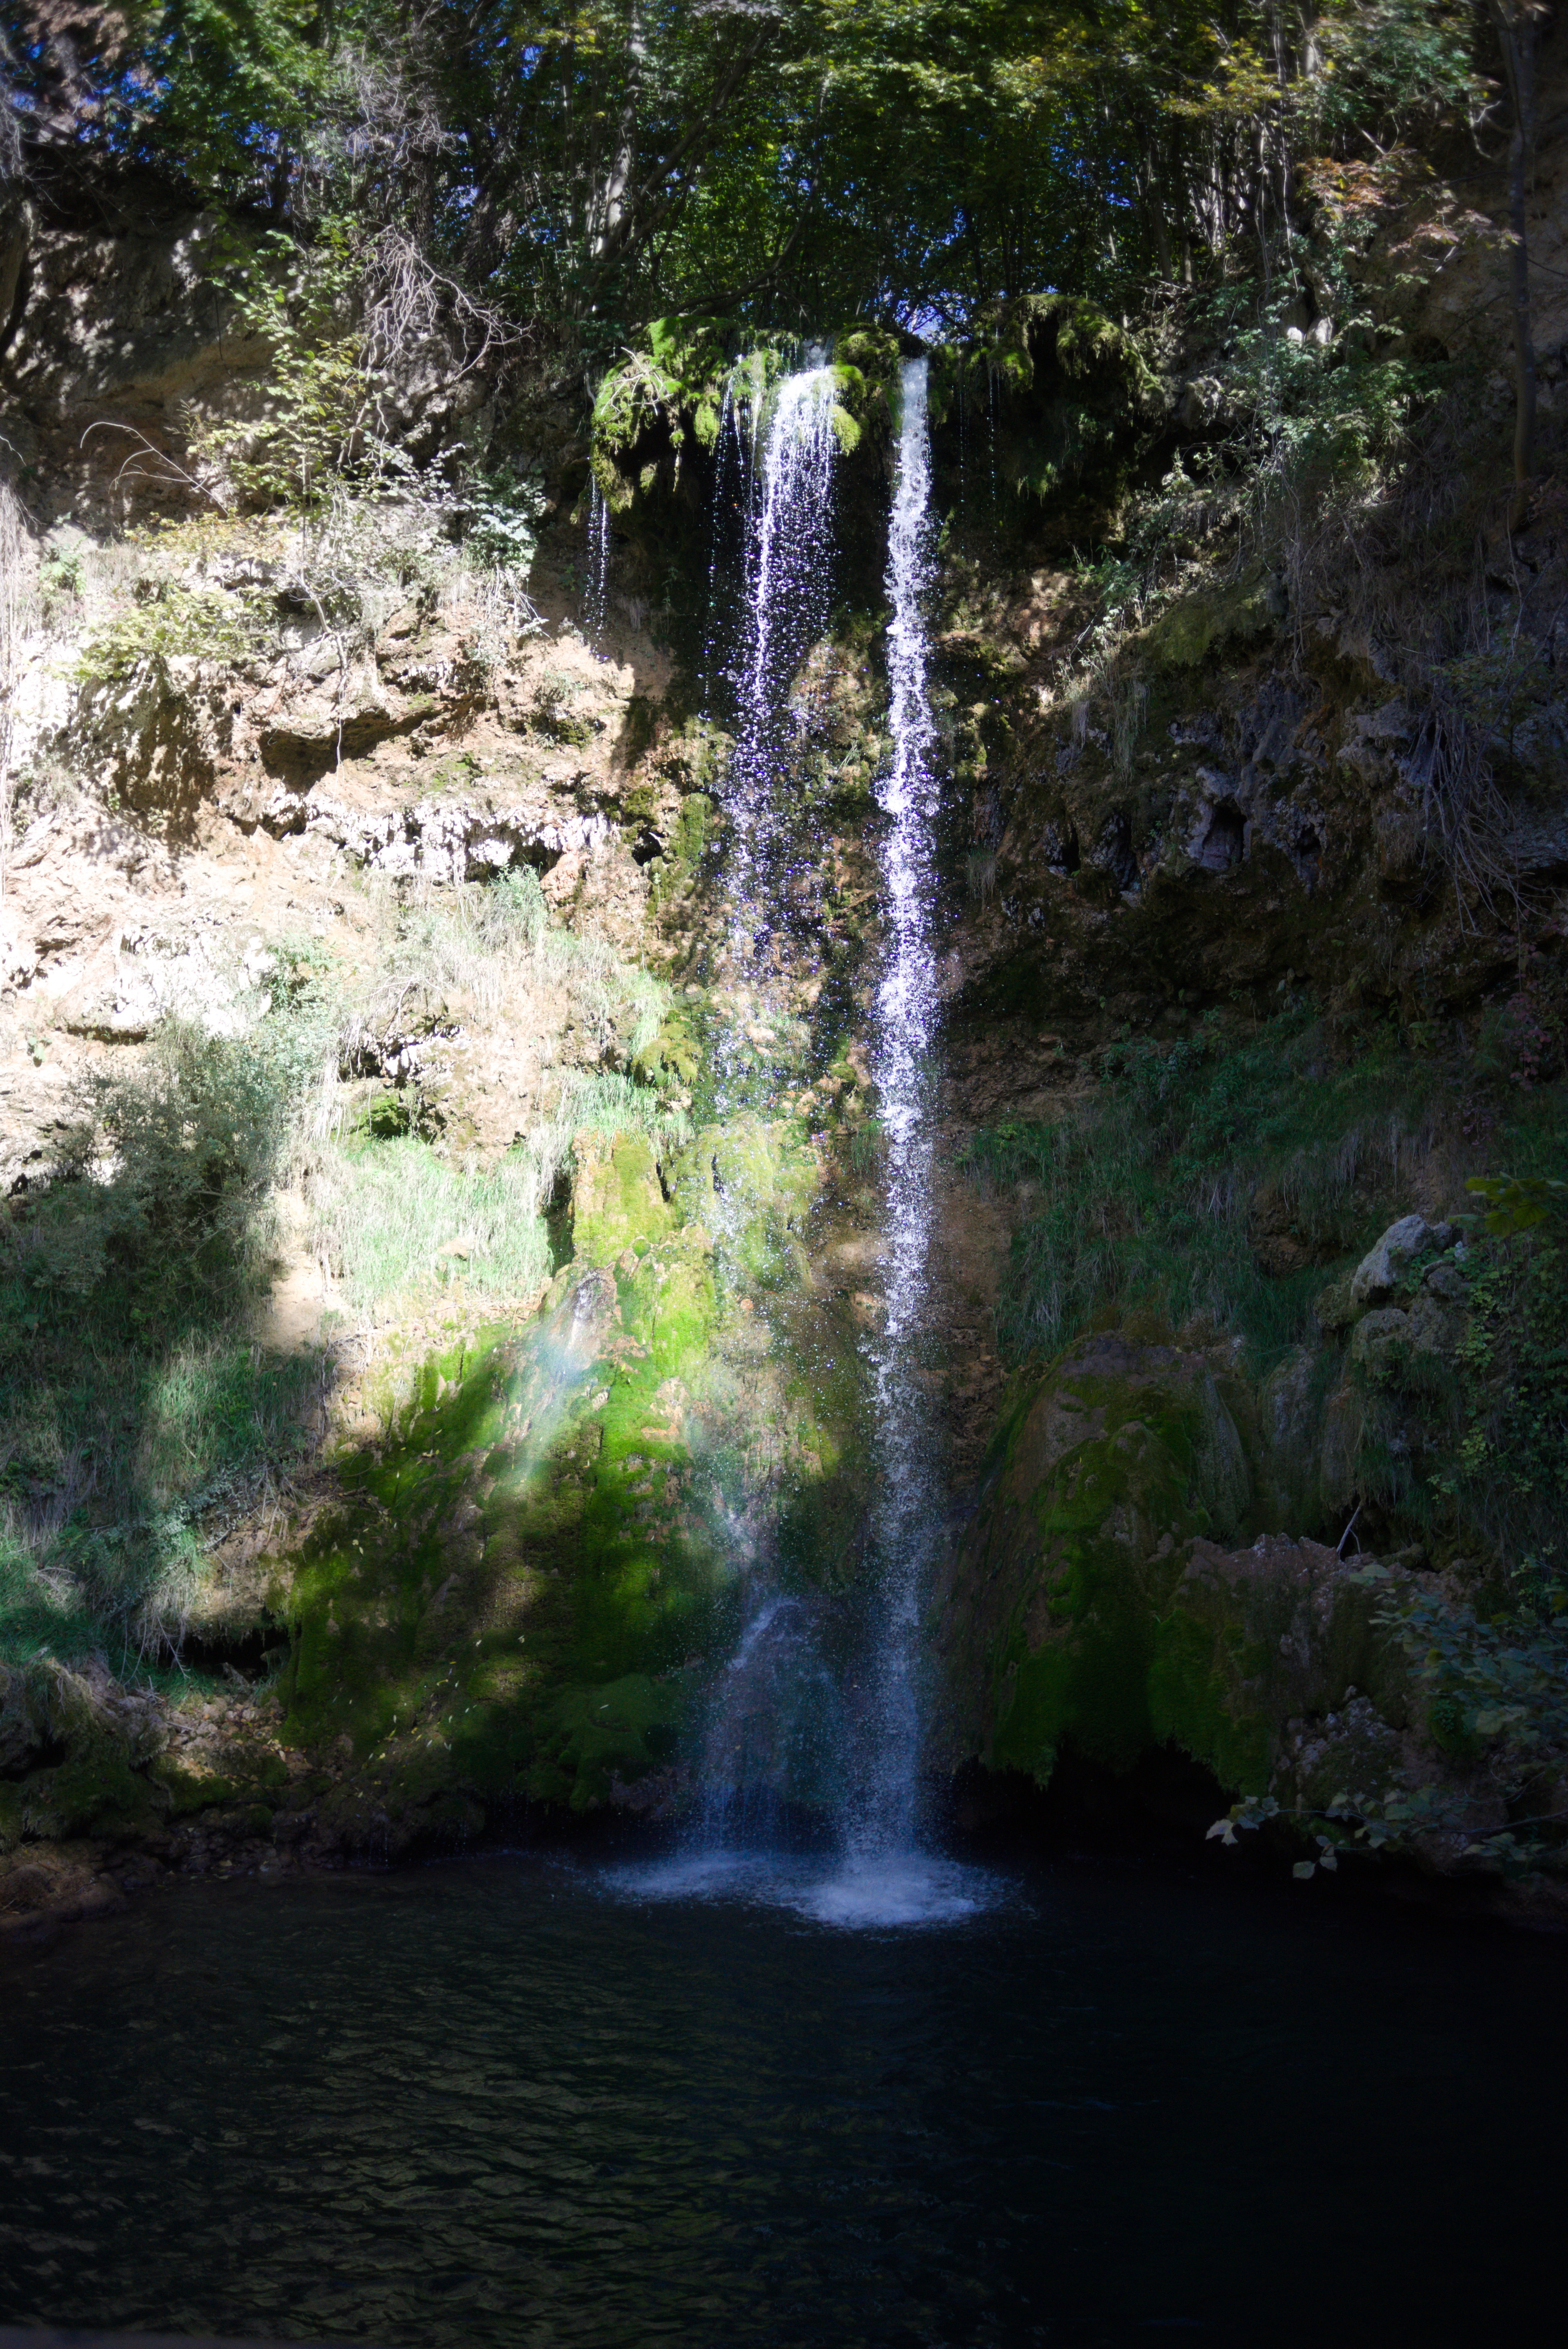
[[789, 574], [787, 1732], [596, 586], [774, 1730], [884, 1818]]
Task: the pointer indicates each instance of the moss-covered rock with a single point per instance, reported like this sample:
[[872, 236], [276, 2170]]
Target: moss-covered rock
[[616, 1200], [1251, 1640], [90, 1750], [1048, 1622], [523, 1593], [750, 1181], [675, 870], [1210, 620], [1120, 1591], [534, 1535]]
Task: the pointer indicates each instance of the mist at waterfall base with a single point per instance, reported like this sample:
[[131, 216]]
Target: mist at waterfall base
[[787, 1734], [484, 2104]]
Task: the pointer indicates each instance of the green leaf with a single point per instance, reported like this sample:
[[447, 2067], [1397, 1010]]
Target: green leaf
[[1519, 1202]]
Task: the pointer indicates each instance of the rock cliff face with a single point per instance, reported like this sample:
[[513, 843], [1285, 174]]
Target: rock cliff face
[[268, 785]]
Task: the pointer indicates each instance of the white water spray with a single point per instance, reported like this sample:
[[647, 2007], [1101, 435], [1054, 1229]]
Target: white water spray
[[788, 574], [789, 559]]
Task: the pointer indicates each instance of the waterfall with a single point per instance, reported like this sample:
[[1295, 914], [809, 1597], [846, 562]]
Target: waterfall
[[597, 589], [780, 1734], [991, 413], [786, 573], [774, 1728], [884, 1818], [788, 583]]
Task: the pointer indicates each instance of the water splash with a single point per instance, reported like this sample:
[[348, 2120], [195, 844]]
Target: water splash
[[904, 1891]]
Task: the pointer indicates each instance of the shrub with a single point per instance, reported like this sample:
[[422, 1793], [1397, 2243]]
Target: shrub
[[132, 1400], [164, 621]]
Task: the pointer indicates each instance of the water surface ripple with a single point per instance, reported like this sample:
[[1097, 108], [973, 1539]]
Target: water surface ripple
[[502, 2102]]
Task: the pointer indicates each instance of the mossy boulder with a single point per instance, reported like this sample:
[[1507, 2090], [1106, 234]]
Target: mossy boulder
[[1116, 1593], [90, 1754], [1210, 620], [1251, 1640], [1310, 1423], [750, 1181], [673, 872]]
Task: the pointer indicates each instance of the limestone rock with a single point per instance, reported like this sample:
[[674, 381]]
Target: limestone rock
[[1381, 1341], [1377, 1274]]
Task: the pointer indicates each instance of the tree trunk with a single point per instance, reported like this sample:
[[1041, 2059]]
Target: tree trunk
[[615, 198], [1518, 30]]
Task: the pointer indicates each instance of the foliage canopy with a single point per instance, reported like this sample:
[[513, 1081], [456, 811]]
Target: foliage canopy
[[599, 162]]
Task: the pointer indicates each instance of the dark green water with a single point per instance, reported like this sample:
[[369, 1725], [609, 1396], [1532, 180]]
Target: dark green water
[[515, 2101]]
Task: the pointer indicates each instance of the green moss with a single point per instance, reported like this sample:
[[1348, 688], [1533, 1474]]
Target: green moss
[[94, 1791], [616, 1199], [663, 396], [1111, 1596], [535, 1536], [1073, 1659], [673, 1053], [1119, 1454], [1194, 1677], [192, 1790], [614, 1730], [757, 1176], [1251, 1641], [1197, 626]]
